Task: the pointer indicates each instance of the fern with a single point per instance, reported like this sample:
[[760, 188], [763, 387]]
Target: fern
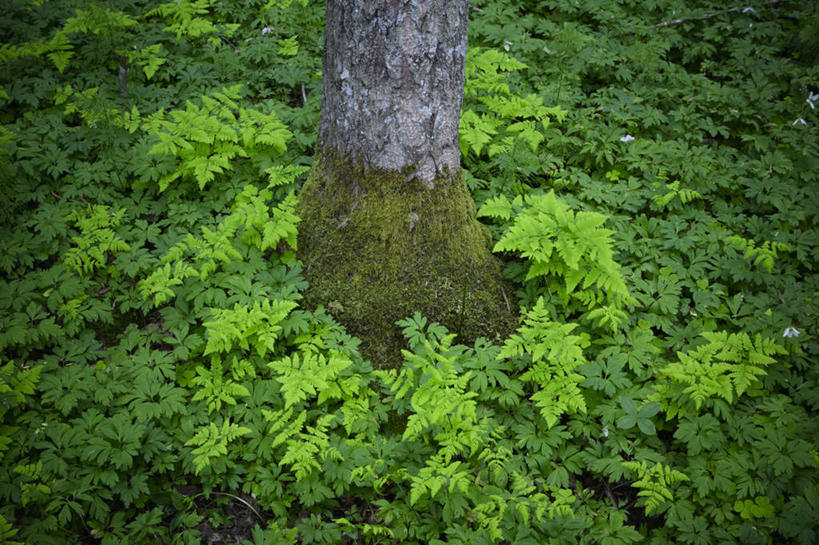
[[305, 451], [149, 58], [252, 214], [160, 283], [251, 221], [560, 243], [554, 354], [681, 136], [726, 366], [309, 374], [206, 140], [16, 384], [186, 18], [505, 118], [438, 475], [654, 483], [685, 195], [764, 254], [212, 442], [34, 486], [257, 326], [215, 388], [97, 241], [7, 531]]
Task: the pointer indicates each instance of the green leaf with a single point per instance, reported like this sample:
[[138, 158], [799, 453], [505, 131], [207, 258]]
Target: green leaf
[[626, 422]]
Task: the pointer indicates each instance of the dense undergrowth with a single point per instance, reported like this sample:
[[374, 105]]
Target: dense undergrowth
[[651, 182]]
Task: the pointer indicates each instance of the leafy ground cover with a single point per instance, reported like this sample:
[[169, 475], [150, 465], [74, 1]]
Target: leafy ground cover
[[647, 170]]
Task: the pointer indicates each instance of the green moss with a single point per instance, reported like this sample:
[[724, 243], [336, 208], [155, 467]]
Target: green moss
[[378, 246]]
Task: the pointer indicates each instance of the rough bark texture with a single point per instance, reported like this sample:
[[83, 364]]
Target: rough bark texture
[[393, 82], [388, 226]]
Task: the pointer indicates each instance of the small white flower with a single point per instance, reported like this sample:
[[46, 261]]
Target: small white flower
[[627, 138], [266, 30], [799, 120], [746, 10], [811, 98], [790, 332], [506, 45], [605, 432]]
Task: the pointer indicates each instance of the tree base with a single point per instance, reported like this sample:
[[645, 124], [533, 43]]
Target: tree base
[[378, 246]]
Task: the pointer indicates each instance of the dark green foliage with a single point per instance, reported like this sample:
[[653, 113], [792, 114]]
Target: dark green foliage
[[651, 186]]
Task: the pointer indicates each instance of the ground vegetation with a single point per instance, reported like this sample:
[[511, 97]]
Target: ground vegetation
[[647, 172]]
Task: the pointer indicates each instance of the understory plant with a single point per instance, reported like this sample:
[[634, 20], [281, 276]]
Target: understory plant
[[647, 171]]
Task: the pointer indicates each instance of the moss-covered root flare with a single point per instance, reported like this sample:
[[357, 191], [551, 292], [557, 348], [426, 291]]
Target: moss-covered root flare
[[378, 246]]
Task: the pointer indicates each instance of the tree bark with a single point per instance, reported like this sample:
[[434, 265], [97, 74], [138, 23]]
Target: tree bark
[[393, 82], [388, 225]]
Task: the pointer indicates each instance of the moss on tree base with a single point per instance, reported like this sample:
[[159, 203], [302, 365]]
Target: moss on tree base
[[378, 246]]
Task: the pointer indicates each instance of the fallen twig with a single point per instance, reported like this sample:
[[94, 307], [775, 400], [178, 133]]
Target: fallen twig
[[743, 9], [231, 44]]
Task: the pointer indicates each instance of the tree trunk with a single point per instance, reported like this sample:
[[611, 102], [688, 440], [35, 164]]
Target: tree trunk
[[388, 225]]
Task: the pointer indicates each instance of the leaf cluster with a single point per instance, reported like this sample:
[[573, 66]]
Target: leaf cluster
[[648, 173]]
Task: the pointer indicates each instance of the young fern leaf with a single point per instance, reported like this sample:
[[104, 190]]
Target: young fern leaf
[[764, 254], [205, 140], [212, 441], [504, 120], [15, 385], [305, 452], [98, 239], [160, 283], [309, 374], [439, 476], [255, 326], [443, 408], [252, 219], [726, 366], [187, 18], [654, 483], [558, 242], [685, 195], [215, 388], [554, 354], [251, 215]]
